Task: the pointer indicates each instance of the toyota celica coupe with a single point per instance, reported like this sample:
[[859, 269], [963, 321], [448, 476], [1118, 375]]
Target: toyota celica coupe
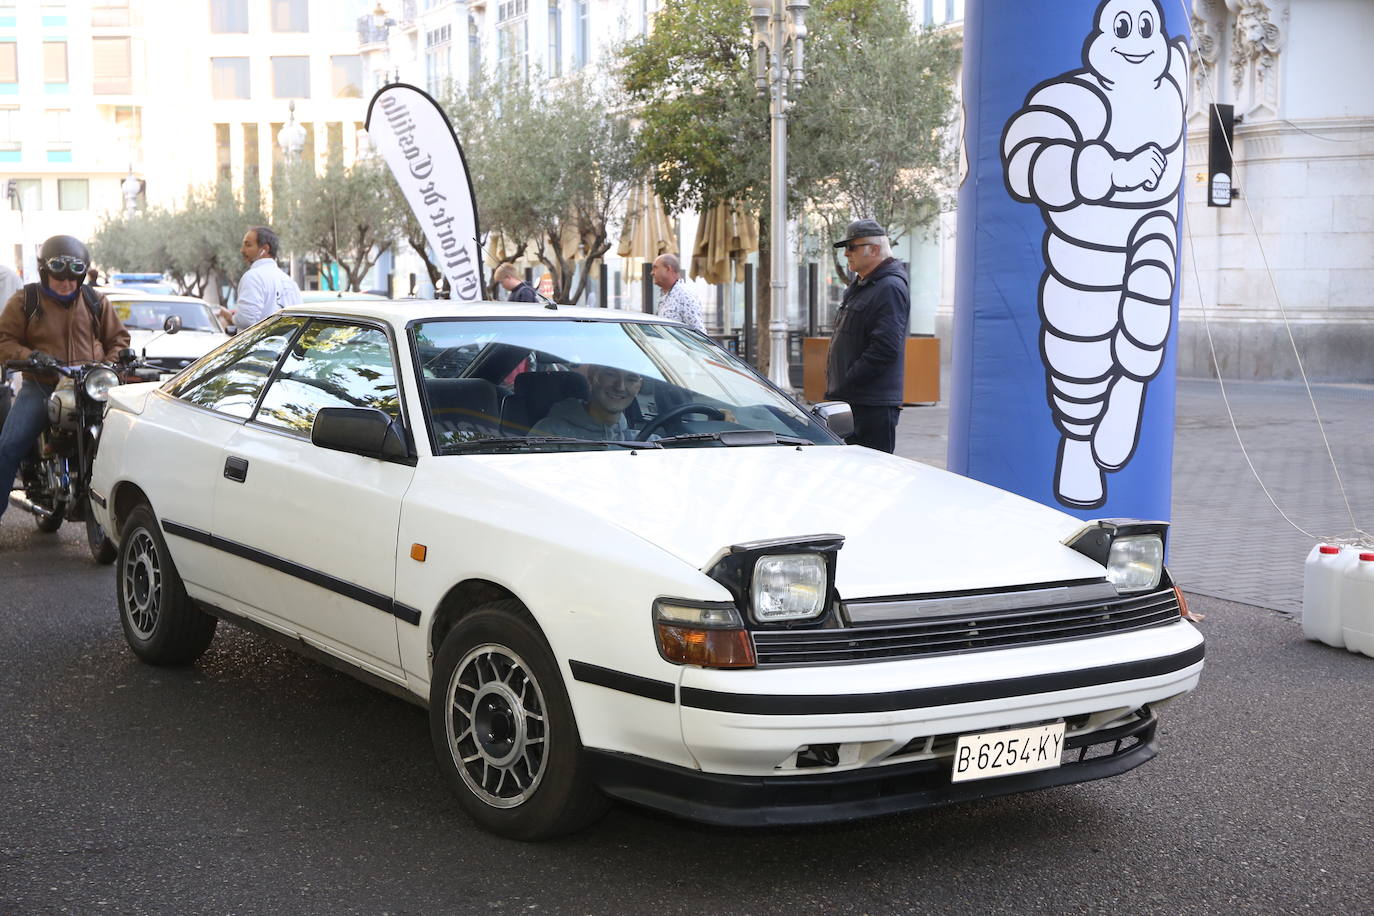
[[613, 561]]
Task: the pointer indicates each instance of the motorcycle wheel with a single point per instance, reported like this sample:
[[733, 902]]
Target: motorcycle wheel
[[102, 548], [52, 522]]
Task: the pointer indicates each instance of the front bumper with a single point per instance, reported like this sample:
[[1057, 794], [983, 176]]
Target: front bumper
[[758, 801]]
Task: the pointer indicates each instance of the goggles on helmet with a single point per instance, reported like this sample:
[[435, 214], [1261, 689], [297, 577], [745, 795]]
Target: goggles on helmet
[[66, 267]]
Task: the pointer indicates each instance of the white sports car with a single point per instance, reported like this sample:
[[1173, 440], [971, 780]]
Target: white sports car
[[612, 560]]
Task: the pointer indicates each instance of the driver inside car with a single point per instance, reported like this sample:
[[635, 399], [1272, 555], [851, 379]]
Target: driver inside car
[[602, 415]]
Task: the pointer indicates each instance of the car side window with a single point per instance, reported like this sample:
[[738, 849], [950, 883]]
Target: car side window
[[332, 364], [230, 379]]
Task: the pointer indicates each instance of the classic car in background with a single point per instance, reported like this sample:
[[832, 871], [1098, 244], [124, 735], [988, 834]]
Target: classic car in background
[[145, 315], [613, 561]]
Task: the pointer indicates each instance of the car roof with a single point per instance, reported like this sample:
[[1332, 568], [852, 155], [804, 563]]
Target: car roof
[[115, 292], [401, 311]]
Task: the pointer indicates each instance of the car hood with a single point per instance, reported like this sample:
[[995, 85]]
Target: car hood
[[182, 343], [907, 526]]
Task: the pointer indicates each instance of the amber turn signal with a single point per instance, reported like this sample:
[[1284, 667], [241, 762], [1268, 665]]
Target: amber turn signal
[[418, 552], [709, 648]]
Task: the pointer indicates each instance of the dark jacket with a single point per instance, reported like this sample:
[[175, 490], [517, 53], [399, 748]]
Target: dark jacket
[[523, 293], [868, 346]]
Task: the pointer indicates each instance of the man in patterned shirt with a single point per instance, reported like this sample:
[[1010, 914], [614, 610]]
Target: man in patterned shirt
[[679, 302]]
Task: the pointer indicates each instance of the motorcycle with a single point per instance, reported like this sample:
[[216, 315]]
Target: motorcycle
[[56, 473]]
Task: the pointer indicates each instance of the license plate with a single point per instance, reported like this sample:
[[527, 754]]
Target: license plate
[[1019, 750]]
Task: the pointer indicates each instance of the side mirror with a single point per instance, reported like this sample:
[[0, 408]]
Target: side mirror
[[837, 416], [172, 324], [364, 431]]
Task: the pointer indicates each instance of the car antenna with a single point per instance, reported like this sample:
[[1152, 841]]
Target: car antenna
[[548, 303]]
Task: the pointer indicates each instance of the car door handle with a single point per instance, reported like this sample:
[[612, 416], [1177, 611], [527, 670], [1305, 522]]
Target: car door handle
[[236, 468]]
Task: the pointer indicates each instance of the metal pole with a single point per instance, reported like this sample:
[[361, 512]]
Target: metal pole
[[778, 76], [646, 292], [749, 313], [603, 286], [813, 286]]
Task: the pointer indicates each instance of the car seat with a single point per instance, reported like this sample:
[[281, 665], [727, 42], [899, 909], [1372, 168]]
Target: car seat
[[463, 408], [535, 394]]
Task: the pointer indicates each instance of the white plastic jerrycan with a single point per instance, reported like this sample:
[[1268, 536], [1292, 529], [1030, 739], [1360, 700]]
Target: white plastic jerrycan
[[1321, 593], [1357, 604]]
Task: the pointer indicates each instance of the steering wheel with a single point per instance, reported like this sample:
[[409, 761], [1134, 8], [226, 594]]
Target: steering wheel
[[677, 412]]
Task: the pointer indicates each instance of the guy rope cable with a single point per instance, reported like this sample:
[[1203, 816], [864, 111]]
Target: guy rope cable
[[1278, 299]]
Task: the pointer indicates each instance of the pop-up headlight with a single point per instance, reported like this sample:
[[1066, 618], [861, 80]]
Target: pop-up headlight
[[788, 587], [1135, 562]]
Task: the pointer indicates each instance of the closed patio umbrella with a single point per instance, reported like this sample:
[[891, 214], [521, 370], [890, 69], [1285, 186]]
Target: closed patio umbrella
[[725, 236], [647, 233]]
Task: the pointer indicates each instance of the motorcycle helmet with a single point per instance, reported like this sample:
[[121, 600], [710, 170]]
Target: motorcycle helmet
[[63, 258]]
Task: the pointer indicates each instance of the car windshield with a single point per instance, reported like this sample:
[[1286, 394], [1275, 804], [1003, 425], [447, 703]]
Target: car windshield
[[515, 385], [150, 314]]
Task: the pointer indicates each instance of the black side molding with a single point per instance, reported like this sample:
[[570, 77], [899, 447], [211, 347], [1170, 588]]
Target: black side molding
[[384, 603], [663, 691]]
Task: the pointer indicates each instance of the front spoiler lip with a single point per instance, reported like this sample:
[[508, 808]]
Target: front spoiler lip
[[768, 801]]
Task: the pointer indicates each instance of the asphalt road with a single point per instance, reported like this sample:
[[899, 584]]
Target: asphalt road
[[257, 782]]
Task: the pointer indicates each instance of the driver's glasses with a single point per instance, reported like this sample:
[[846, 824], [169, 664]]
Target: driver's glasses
[[66, 267]]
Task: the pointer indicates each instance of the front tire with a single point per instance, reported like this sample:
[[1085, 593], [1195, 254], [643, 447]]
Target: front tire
[[503, 728], [161, 624], [102, 548]]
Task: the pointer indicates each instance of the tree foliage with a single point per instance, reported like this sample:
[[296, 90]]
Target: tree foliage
[[344, 216], [552, 164], [197, 245]]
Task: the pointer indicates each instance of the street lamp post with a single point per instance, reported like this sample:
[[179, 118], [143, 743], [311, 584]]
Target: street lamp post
[[291, 139], [779, 38]]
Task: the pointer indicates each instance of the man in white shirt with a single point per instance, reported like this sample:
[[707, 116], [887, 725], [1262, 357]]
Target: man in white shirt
[[9, 283], [679, 302], [264, 288]]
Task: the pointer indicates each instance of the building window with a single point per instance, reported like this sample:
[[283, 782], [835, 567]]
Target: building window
[[224, 166], [112, 66], [229, 77], [110, 13], [9, 129], [28, 195], [73, 194], [555, 38], [290, 16], [291, 77], [928, 13], [129, 129], [438, 60], [582, 46], [228, 15], [54, 62], [9, 62], [474, 52], [949, 10], [347, 72], [512, 40], [59, 128]]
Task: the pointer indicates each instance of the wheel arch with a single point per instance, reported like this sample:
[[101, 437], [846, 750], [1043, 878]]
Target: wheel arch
[[126, 497], [462, 599]]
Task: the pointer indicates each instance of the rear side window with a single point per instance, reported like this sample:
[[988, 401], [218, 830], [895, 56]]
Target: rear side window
[[230, 379], [332, 364]]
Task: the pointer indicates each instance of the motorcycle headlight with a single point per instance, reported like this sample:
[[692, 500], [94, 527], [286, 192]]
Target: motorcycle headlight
[[99, 382], [1136, 562], [788, 586]]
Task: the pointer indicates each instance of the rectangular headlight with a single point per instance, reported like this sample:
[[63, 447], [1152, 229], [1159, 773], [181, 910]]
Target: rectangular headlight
[[788, 586], [1136, 562]]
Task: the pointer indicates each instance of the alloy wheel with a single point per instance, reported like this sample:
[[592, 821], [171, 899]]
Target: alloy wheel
[[497, 729], [141, 584]]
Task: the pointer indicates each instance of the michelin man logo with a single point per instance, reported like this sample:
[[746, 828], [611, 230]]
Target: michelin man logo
[[1100, 151]]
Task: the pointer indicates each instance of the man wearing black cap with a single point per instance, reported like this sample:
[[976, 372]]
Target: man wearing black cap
[[869, 342]]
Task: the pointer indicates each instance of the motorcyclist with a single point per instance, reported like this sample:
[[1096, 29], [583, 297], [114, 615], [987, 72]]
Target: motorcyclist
[[63, 330]]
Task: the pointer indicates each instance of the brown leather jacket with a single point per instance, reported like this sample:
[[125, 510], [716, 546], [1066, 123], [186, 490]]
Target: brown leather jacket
[[64, 331]]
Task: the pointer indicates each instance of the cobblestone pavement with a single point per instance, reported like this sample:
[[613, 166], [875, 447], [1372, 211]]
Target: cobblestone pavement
[[1228, 540]]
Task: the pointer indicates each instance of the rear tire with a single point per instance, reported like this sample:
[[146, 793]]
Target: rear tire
[[503, 728], [161, 624]]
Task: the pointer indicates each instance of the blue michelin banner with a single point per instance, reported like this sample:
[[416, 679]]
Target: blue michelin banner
[[1069, 228]]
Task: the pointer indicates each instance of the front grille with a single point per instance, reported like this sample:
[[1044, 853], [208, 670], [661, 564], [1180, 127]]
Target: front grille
[[971, 631]]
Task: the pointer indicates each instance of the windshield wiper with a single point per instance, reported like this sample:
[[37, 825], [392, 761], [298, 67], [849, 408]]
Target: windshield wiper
[[512, 443], [735, 437]]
